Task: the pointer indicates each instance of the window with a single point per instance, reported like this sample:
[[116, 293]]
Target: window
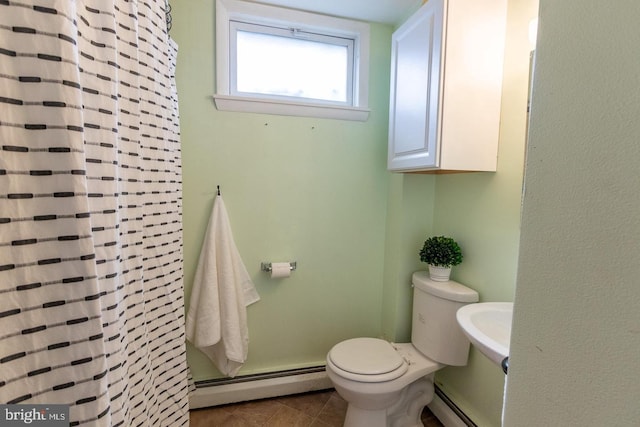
[[280, 61], [291, 64]]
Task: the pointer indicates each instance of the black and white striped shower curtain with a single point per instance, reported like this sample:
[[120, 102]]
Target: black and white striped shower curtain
[[91, 294]]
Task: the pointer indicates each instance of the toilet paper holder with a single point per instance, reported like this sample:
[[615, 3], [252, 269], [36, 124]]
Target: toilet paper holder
[[266, 266]]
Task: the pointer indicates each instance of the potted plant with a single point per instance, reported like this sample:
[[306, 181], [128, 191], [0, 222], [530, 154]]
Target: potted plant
[[441, 253]]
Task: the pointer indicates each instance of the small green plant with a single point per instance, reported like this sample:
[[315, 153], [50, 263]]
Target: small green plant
[[441, 251]]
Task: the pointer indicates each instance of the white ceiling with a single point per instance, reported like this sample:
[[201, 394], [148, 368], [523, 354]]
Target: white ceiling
[[386, 11]]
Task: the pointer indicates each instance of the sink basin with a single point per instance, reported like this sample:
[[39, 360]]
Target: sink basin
[[488, 327]]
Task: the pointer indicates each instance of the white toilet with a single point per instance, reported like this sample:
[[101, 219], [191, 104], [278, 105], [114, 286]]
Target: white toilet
[[387, 384]]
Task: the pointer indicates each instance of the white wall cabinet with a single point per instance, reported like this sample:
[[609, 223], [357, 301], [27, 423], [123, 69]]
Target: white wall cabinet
[[446, 87]]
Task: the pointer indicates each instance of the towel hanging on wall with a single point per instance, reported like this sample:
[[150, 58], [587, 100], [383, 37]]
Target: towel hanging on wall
[[222, 289]]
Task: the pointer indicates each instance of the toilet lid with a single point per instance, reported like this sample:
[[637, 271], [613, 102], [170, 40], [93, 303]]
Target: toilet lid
[[366, 356]]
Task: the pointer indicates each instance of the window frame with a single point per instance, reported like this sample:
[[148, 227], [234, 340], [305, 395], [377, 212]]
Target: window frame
[[225, 99]]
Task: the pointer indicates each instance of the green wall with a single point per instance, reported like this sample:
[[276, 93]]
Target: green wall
[[296, 189], [409, 221], [576, 321], [317, 192]]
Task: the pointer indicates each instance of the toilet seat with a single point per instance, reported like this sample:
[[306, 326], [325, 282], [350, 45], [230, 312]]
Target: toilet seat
[[367, 360]]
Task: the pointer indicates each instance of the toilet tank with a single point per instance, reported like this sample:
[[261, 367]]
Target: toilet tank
[[435, 331]]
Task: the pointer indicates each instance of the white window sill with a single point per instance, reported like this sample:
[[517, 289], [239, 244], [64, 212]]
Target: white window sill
[[289, 108]]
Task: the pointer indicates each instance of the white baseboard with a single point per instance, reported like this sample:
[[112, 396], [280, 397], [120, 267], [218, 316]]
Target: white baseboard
[[241, 391]]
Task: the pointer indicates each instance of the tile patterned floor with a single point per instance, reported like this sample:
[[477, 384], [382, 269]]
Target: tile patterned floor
[[317, 409]]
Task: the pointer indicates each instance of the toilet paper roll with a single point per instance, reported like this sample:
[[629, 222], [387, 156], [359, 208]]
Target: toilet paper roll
[[280, 270]]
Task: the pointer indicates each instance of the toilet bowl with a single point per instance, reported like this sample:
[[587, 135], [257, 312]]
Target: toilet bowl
[[388, 384], [371, 395]]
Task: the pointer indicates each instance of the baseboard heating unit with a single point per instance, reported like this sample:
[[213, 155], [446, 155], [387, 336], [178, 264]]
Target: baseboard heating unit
[[295, 381], [448, 412], [258, 386]]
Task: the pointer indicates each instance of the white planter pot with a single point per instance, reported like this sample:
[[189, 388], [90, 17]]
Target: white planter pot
[[439, 274]]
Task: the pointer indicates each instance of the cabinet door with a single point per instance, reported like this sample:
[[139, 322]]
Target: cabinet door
[[416, 56]]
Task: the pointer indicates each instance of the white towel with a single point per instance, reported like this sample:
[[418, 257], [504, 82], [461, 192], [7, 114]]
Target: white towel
[[222, 289]]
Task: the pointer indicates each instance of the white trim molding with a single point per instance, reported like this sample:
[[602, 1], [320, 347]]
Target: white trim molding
[[238, 10], [287, 108]]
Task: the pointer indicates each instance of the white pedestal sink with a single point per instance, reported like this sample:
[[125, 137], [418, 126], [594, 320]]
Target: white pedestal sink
[[488, 327]]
